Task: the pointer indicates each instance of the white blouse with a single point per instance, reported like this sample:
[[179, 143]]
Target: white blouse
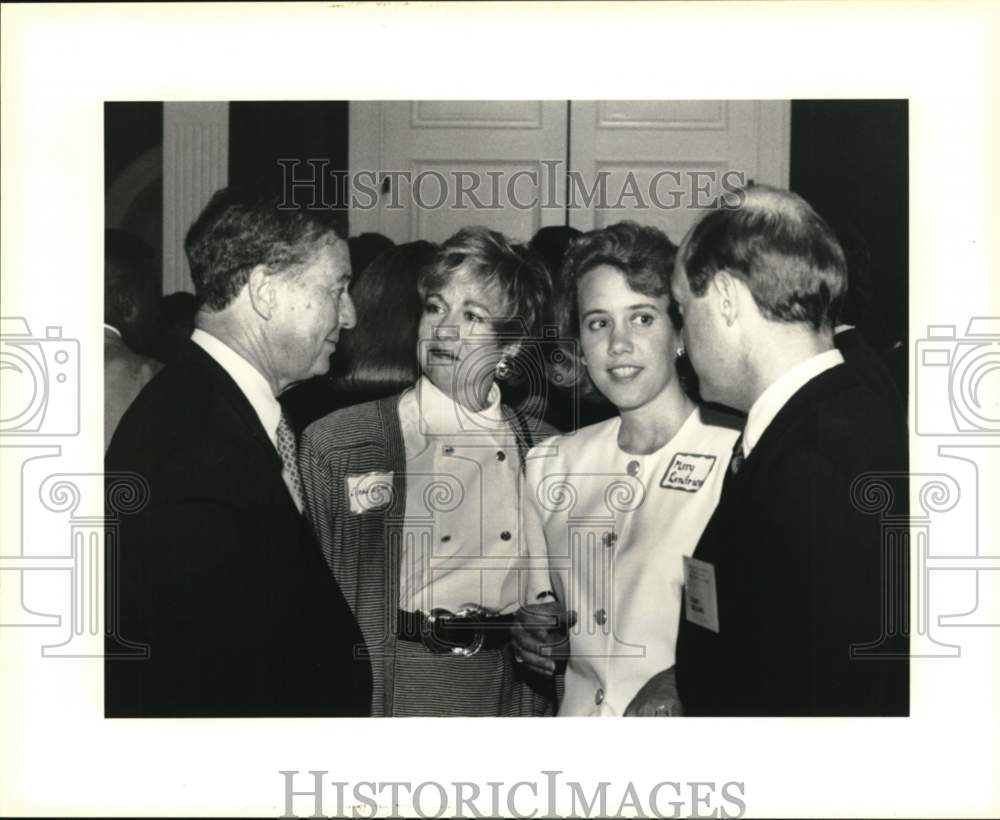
[[615, 528], [461, 535]]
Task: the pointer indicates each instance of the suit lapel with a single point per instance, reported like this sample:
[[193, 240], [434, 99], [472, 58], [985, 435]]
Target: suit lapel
[[752, 480], [228, 396], [799, 409]]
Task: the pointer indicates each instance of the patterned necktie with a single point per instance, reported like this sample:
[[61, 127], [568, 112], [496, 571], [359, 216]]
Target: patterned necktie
[[289, 462], [736, 462]]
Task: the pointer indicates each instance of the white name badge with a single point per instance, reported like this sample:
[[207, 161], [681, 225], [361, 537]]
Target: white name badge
[[687, 472], [369, 491], [701, 605]]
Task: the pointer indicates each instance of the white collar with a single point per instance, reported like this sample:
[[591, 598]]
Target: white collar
[[247, 377], [442, 415], [113, 329], [770, 402]]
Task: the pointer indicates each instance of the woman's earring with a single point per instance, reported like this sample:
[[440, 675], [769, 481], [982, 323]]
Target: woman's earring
[[679, 352], [503, 369]]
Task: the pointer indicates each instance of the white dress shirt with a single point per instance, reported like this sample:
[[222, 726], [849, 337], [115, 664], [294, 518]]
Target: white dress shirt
[[248, 378], [776, 396], [616, 528], [461, 534]]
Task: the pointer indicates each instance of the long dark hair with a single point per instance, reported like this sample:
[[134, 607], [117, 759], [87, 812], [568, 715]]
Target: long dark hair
[[378, 356]]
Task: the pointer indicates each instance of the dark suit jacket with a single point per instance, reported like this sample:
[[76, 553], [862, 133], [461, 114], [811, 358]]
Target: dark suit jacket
[[800, 570], [857, 352], [220, 574]]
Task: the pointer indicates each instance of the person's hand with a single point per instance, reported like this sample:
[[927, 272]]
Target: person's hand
[[657, 698], [540, 634]]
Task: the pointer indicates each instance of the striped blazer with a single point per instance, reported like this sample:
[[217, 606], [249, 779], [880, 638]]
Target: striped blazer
[[362, 548]]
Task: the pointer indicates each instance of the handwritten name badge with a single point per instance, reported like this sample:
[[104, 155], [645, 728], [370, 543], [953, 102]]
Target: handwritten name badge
[[687, 472], [369, 491]]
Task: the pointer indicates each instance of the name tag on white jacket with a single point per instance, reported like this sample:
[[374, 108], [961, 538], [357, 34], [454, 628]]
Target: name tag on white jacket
[[687, 472], [369, 491]]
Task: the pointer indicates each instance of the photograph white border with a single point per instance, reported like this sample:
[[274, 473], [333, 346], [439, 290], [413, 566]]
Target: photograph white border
[[60, 64]]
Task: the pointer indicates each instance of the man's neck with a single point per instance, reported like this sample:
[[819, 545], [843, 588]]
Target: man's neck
[[227, 328], [778, 352]]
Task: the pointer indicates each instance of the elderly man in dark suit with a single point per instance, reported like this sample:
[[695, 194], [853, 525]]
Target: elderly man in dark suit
[[220, 574], [786, 586]]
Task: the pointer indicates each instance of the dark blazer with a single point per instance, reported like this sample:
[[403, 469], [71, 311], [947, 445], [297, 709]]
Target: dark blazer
[[220, 574], [857, 352], [799, 567], [363, 551]]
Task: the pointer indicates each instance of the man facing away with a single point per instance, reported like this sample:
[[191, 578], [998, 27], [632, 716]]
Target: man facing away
[[790, 595], [130, 318], [219, 574]]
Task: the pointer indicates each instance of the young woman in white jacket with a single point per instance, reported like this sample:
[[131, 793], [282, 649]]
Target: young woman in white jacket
[[617, 506]]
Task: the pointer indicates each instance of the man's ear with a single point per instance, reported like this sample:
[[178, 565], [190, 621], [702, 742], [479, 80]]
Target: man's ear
[[260, 288], [727, 293]]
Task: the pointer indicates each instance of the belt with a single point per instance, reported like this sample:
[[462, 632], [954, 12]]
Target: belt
[[461, 633]]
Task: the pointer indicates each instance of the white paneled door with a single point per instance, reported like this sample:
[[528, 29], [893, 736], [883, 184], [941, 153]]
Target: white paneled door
[[663, 163], [446, 164], [515, 166]]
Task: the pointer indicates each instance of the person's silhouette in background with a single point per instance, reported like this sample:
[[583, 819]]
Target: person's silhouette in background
[[851, 333], [177, 311], [365, 248], [130, 320], [566, 410]]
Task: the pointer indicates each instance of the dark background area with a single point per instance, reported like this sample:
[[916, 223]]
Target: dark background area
[[261, 134], [130, 129], [849, 159], [133, 170]]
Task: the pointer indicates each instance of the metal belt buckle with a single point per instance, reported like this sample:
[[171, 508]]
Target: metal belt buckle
[[438, 647]]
